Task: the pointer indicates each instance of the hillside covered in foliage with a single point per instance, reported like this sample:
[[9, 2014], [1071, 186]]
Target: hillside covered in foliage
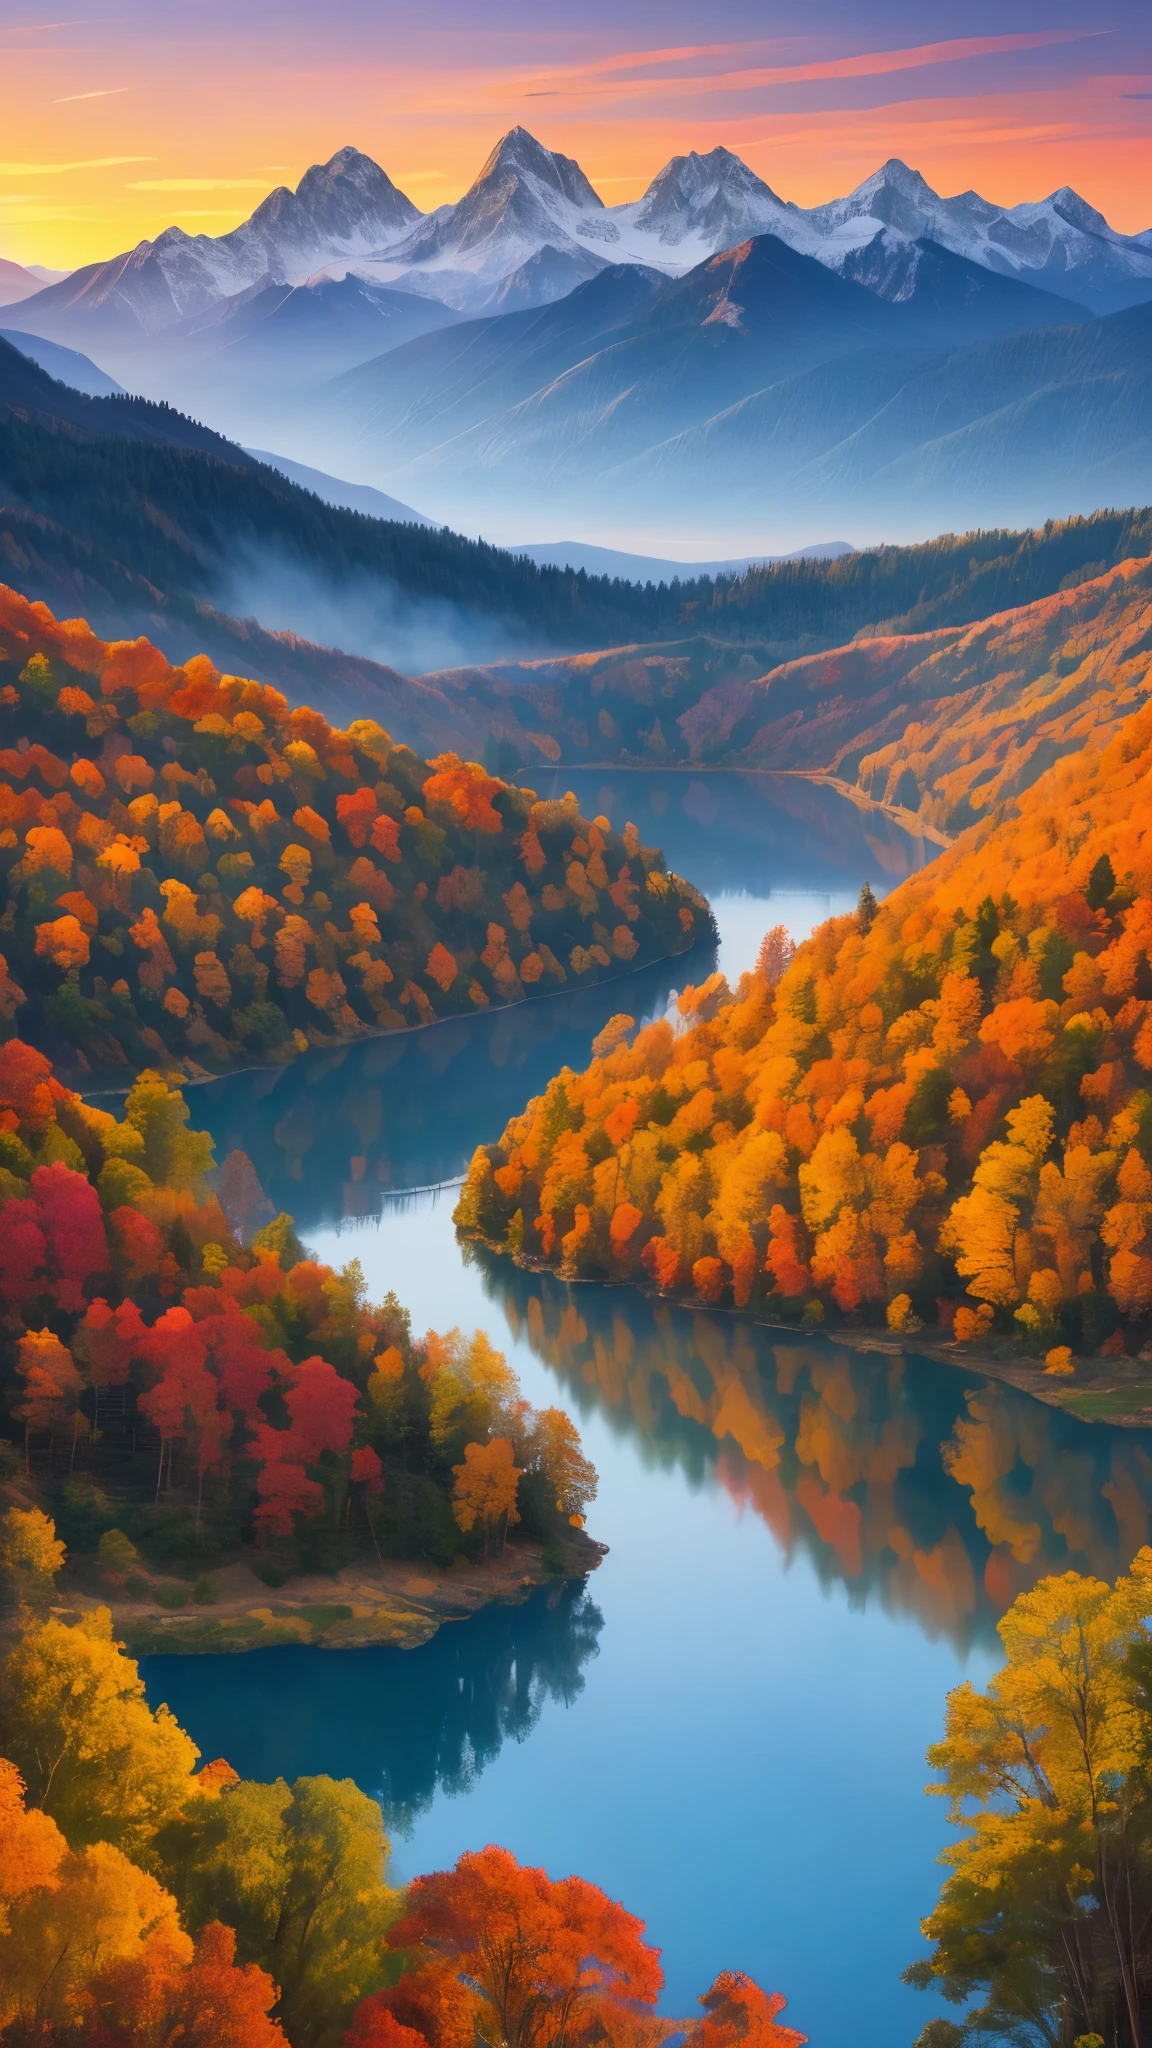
[[944, 722], [935, 1111], [186, 1384], [198, 875]]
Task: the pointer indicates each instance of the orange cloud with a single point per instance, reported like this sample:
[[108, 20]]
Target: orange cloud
[[868, 64]]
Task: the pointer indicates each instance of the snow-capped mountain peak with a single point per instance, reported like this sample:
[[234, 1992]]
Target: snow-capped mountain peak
[[347, 206], [895, 196], [531, 227], [342, 208], [518, 156], [714, 199], [526, 198], [1060, 243]]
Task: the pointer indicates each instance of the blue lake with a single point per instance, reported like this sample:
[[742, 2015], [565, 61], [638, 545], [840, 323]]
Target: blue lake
[[726, 1727]]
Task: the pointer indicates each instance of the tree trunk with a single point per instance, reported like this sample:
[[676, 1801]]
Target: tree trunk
[[372, 1532], [1125, 1961]]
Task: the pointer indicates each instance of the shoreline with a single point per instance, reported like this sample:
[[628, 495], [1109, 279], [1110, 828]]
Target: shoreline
[[202, 1078], [1115, 1390], [396, 1604]]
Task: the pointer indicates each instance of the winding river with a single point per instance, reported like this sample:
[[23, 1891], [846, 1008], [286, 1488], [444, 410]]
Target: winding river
[[725, 1727]]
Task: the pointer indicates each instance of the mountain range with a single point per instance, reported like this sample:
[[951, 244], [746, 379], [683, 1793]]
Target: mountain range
[[707, 357], [532, 226], [758, 393]]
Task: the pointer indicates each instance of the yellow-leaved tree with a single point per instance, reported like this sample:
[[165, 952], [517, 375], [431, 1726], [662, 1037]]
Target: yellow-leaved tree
[[93, 1754], [1048, 1908]]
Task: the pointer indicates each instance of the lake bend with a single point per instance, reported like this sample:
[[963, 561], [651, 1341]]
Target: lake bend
[[725, 1726]]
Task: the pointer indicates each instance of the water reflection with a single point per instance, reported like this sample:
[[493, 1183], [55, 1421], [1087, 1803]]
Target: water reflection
[[411, 1723], [732, 831], [330, 1135], [940, 1493]]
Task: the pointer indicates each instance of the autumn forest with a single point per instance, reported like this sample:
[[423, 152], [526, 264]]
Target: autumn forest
[[842, 1238]]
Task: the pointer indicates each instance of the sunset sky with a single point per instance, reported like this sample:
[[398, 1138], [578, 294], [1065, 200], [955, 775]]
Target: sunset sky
[[116, 124]]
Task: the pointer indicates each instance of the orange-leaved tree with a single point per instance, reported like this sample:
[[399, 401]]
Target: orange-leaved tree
[[525, 1960], [486, 1489]]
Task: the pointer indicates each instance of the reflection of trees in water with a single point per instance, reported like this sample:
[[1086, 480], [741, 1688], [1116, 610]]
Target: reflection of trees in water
[[944, 1493], [732, 831], [410, 1722], [330, 1134], [472, 1689]]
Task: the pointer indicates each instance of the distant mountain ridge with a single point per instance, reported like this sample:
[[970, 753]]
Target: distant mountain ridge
[[143, 521], [532, 214], [17, 283], [597, 561], [567, 404]]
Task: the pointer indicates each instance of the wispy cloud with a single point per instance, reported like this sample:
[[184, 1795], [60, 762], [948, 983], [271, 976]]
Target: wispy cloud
[[683, 53], [105, 92], [86, 163], [196, 184], [593, 82]]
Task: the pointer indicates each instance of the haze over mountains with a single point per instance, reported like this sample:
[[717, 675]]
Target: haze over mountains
[[709, 363]]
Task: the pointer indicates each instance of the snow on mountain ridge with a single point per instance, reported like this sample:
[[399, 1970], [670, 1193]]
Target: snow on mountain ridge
[[530, 214], [344, 207], [1059, 243], [531, 227]]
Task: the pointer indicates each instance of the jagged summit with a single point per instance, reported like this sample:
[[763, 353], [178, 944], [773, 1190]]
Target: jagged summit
[[1069, 205], [714, 198], [346, 207], [531, 228], [526, 199], [895, 195], [519, 155]]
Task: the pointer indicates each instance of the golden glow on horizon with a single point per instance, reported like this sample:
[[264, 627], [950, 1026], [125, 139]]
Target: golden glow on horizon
[[67, 201]]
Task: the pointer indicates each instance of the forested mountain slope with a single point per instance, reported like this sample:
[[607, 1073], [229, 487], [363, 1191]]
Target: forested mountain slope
[[198, 875], [933, 1111], [121, 473], [945, 722]]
